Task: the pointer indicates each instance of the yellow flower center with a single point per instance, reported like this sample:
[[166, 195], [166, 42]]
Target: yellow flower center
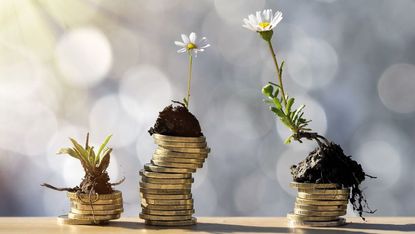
[[191, 46], [264, 24]]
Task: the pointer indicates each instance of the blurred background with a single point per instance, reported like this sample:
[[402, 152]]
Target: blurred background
[[69, 67]]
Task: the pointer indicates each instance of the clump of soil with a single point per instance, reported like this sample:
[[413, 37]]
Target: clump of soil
[[176, 121], [328, 164], [99, 184]]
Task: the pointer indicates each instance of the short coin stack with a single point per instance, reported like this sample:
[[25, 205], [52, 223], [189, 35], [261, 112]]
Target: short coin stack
[[319, 205], [93, 209], [165, 188]]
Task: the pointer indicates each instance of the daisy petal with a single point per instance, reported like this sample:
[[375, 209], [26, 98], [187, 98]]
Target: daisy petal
[[192, 37], [252, 20], [249, 27], [182, 50], [179, 43], [185, 39], [267, 15], [258, 17]]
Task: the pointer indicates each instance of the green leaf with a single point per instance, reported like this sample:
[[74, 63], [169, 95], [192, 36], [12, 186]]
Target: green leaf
[[69, 152], [297, 117], [277, 91], [104, 163], [91, 156], [101, 148], [277, 103], [298, 111], [186, 102], [281, 67], [278, 112], [287, 123], [81, 151], [290, 103], [267, 90]]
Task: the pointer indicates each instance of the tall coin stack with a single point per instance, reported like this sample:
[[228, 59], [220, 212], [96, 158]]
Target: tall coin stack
[[319, 205], [165, 188], [93, 209]]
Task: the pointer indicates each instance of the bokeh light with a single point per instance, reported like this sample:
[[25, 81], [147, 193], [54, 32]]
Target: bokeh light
[[312, 63], [396, 88], [373, 154], [108, 117], [84, 56]]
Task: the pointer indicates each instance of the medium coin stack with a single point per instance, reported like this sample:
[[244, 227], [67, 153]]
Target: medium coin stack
[[319, 205], [165, 188], [93, 209]]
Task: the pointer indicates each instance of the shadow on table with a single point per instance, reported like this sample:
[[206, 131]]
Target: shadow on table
[[231, 228], [383, 227]]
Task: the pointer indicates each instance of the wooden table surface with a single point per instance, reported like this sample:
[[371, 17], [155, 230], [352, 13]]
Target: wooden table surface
[[208, 225]]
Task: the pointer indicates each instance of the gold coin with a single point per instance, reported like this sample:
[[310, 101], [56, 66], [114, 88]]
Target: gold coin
[[324, 197], [165, 217], [167, 207], [303, 218], [169, 153], [165, 186], [302, 201], [320, 208], [178, 139], [93, 217], [63, 219], [335, 223], [177, 160], [159, 175], [313, 185], [167, 181], [115, 195], [97, 212], [154, 168], [181, 144], [345, 191], [166, 191], [186, 150], [95, 207], [166, 197], [176, 165], [117, 201], [168, 212], [147, 201], [319, 213], [171, 223]]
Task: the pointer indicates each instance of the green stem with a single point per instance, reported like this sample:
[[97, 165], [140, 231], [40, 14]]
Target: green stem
[[274, 57], [190, 79]]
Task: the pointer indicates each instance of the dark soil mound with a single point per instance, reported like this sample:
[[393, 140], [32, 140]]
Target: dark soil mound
[[328, 164], [176, 121], [99, 184]]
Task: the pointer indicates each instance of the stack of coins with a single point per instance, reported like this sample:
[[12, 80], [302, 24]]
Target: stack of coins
[[93, 209], [165, 188], [319, 205]]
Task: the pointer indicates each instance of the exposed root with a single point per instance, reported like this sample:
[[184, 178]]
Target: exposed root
[[59, 189], [118, 182]]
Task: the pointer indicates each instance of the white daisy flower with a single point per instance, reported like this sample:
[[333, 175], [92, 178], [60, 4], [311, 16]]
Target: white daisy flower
[[262, 22], [190, 45]]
